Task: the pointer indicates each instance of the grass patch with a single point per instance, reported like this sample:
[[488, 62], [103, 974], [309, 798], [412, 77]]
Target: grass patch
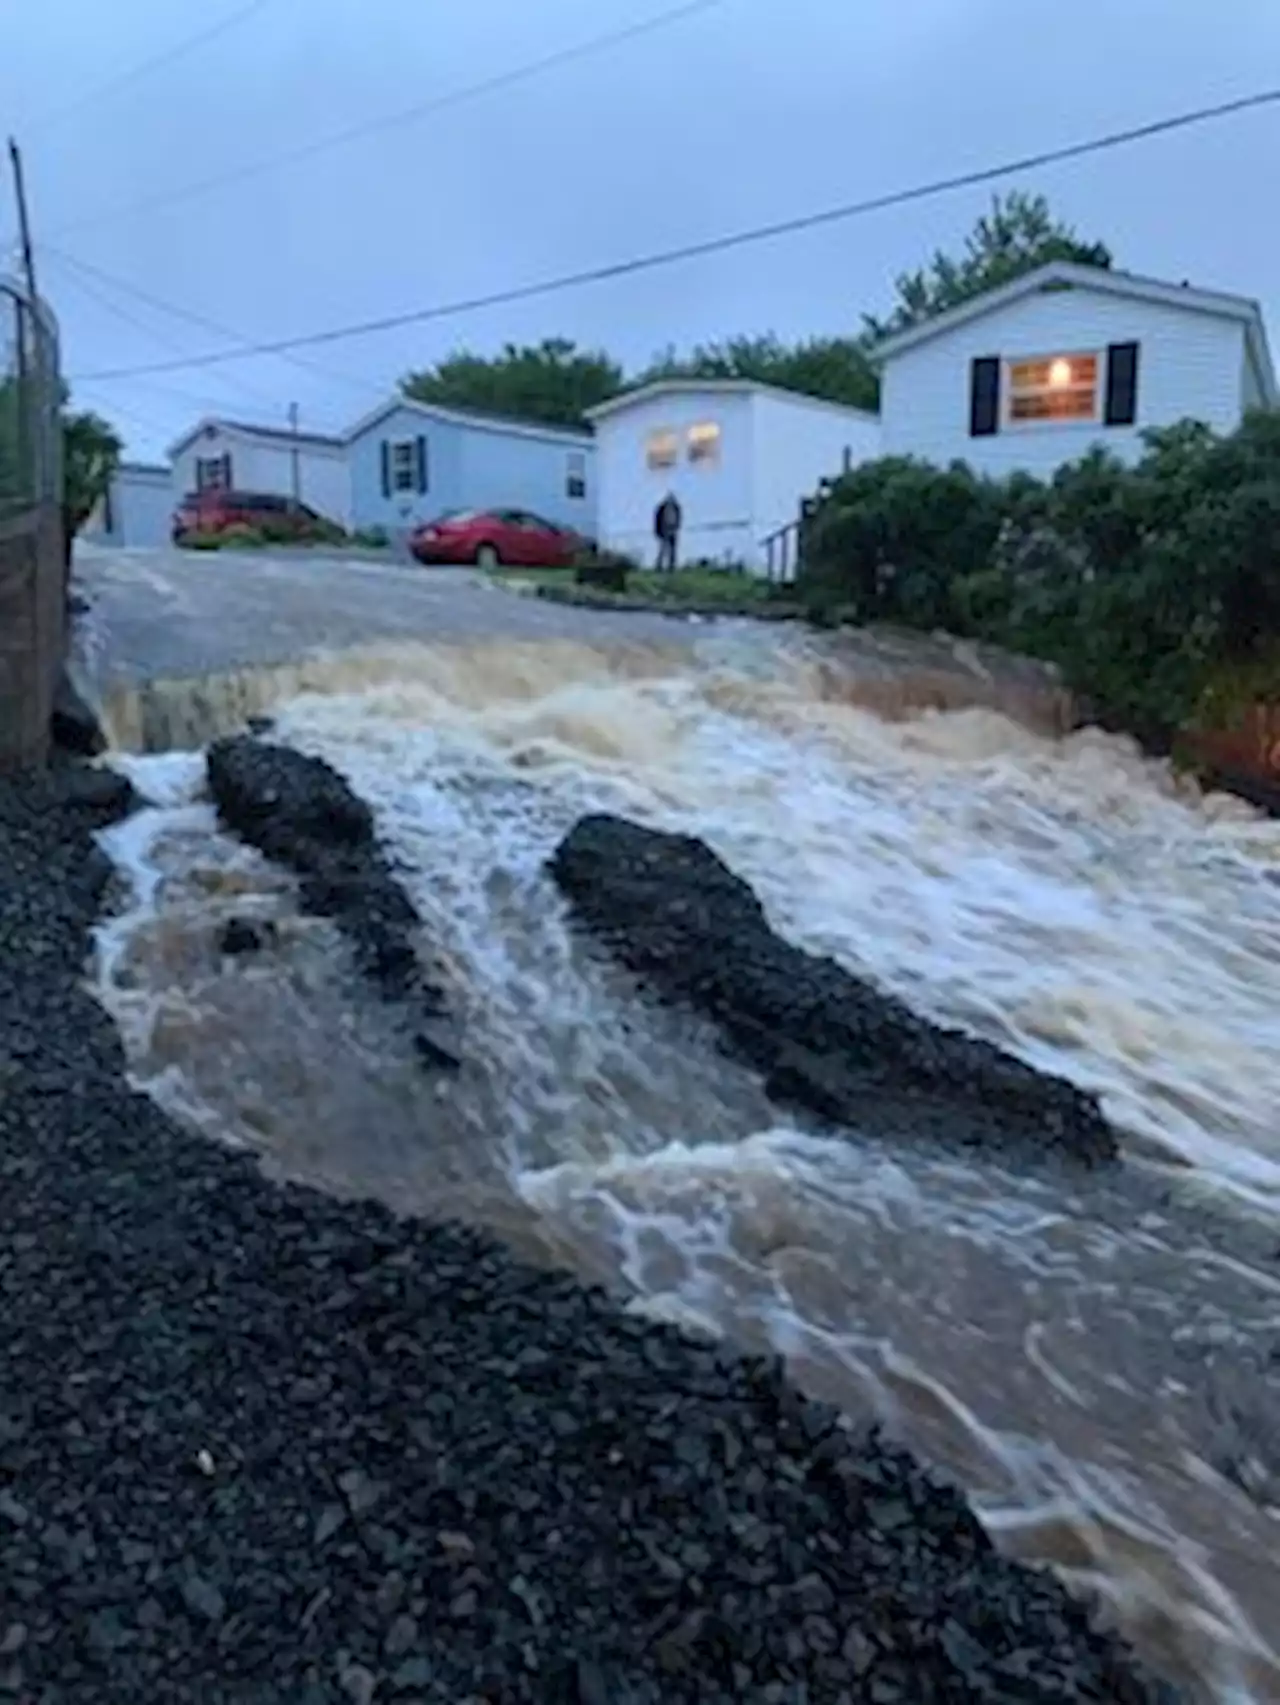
[[697, 586]]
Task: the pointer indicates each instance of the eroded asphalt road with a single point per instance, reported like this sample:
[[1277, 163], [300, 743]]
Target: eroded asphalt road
[[168, 613]]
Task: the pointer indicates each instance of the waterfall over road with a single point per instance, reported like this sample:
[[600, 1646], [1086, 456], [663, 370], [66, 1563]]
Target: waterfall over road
[[1095, 1364]]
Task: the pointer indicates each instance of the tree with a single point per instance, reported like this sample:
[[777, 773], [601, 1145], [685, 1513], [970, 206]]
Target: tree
[[834, 368], [1019, 234], [552, 381], [91, 450]]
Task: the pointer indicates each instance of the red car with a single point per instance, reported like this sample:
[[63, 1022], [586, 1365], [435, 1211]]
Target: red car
[[283, 518], [490, 537]]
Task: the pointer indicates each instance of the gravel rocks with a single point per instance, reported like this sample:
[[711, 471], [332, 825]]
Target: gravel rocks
[[675, 914], [299, 811], [262, 1447]]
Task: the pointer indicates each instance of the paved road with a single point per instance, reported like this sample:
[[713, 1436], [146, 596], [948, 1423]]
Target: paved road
[[162, 620], [166, 613]]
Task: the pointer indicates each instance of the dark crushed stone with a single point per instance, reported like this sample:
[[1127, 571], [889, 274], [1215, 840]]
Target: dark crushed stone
[[74, 725], [298, 811], [245, 935], [258, 1447], [673, 912]]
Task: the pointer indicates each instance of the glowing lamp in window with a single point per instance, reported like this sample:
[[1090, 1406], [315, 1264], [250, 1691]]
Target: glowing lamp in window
[[662, 449], [1053, 388], [704, 442]]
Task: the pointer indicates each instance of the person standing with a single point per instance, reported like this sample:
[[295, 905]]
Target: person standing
[[666, 526]]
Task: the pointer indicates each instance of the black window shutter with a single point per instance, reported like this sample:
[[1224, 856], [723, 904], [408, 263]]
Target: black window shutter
[[984, 396], [422, 464], [226, 471], [1122, 384], [386, 468]]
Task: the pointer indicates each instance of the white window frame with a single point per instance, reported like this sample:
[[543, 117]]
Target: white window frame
[[702, 443], [662, 447], [575, 475], [402, 466], [1011, 423], [210, 472]]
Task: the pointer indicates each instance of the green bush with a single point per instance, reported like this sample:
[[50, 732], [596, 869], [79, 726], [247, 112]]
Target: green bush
[[892, 536], [202, 542], [371, 538], [1147, 584], [241, 537]]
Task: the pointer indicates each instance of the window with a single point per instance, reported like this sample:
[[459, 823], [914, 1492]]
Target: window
[[662, 449], [575, 480], [404, 465], [1053, 388], [213, 473], [704, 442]]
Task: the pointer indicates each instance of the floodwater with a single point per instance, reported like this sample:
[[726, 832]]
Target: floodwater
[[1092, 1360]]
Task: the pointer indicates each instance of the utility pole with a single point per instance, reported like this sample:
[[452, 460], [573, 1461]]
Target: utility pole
[[24, 220], [295, 460]]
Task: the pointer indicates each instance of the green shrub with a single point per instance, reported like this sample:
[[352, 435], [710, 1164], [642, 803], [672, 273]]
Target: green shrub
[[1146, 584], [202, 542], [892, 536], [371, 538], [242, 538]]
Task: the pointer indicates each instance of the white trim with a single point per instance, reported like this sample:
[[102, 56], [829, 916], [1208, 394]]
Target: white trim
[[1068, 275], [159, 472], [244, 432], [1037, 422], [452, 417], [720, 388]]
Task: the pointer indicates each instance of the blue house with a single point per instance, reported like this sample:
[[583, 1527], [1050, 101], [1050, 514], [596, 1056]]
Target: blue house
[[410, 462]]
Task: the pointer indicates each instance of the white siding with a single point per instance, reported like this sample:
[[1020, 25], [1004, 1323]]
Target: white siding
[[1190, 366], [142, 506], [263, 464], [797, 442], [138, 510], [716, 498]]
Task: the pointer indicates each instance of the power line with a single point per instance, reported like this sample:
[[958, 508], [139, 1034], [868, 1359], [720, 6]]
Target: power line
[[132, 74], [89, 271], [734, 240], [126, 317], [407, 115], [140, 422]]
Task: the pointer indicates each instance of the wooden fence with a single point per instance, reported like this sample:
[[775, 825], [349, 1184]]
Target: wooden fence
[[32, 570]]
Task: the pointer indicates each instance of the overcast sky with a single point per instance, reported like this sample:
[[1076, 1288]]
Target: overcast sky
[[751, 111]]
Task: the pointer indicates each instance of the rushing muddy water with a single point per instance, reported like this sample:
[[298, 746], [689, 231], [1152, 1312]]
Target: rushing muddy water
[[1096, 1366]]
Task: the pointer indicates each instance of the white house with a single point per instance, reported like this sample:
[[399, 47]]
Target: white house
[[1035, 373], [740, 458], [232, 454], [137, 508]]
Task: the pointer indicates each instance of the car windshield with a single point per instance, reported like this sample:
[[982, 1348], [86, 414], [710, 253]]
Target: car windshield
[[457, 515]]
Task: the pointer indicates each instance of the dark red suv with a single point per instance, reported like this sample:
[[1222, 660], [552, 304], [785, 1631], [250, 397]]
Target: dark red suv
[[279, 518]]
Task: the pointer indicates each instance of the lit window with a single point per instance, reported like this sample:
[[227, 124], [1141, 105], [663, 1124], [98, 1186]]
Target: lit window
[[1053, 387], [575, 480], [663, 449], [704, 442]]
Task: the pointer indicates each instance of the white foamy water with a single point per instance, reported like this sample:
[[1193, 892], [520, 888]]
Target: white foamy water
[[1067, 1359]]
